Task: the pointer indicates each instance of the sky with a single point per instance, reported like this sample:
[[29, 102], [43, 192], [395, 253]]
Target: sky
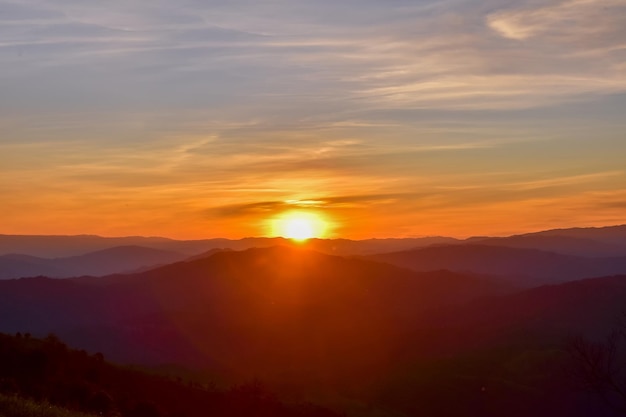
[[387, 118]]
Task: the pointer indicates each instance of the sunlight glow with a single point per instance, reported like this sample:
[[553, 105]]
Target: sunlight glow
[[299, 226]]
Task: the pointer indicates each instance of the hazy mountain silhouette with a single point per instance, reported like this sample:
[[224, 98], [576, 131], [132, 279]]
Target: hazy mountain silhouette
[[304, 321], [608, 234], [588, 242], [17, 266], [207, 254], [547, 314], [560, 244], [103, 262], [65, 246], [34, 374], [253, 311], [599, 242], [508, 355], [527, 267], [373, 246]]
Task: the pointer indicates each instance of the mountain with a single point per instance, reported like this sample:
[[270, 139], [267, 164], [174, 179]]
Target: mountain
[[65, 246], [354, 329], [45, 378], [588, 242], [526, 267], [511, 355], [344, 247], [566, 245], [608, 234], [600, 242], [590, 306], [16, 266], [545, 315], [206, 254], [103, 262], [245, 313]]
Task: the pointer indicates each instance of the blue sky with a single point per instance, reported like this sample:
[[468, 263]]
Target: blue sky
[[390, 118]]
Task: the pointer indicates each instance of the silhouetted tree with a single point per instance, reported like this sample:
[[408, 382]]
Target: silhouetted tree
[[47, 370], [600, 366]]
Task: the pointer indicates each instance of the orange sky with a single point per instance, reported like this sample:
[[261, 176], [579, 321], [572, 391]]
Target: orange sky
[[408, 118]]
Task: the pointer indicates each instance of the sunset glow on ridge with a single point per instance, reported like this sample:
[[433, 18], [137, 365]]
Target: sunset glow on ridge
[[313, 208]]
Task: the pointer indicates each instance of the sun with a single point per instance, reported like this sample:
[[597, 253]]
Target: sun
[[299, 226], [299, 229]]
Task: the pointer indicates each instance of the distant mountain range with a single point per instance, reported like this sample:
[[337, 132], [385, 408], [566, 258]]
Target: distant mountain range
[[303, 320], [72, 256], [257, 299], [588, 242], [231, 298], [523, 267], [65, 246], [103, 262]]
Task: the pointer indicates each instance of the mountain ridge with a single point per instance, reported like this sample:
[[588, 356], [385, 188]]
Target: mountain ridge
[[102, 262], [592, 241], [306, 322], [523, 266]]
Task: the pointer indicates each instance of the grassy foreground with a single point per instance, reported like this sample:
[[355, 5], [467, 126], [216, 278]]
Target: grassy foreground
[[15, 406]]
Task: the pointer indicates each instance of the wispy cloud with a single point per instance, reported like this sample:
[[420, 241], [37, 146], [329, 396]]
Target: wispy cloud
[[267, 208], [563, 21], [570, 180], [421, 56], [431, 107]]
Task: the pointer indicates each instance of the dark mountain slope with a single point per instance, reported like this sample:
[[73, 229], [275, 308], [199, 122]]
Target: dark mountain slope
[[310, 323], [608, 234], [590, 306], [258, 310], [604, 241], [104, 262], [46, 371], [64, 246], [528, 267], [565, 245], [118, 259], [17, 266]]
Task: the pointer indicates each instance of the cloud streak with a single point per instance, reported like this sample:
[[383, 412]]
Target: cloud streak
[[268, 208], [422, 57], [242, 108]]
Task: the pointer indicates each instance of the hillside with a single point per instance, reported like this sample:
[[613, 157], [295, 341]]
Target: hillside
[[103, 262], [607, 241], [281, 308], [335, 329], [607, 234], [525, 267], [565, 245], [67, 246], [39, 376], [586, 242], [16, 406]]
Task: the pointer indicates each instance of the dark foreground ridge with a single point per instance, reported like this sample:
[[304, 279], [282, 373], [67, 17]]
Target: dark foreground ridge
[[351, 334], [47, 371]]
